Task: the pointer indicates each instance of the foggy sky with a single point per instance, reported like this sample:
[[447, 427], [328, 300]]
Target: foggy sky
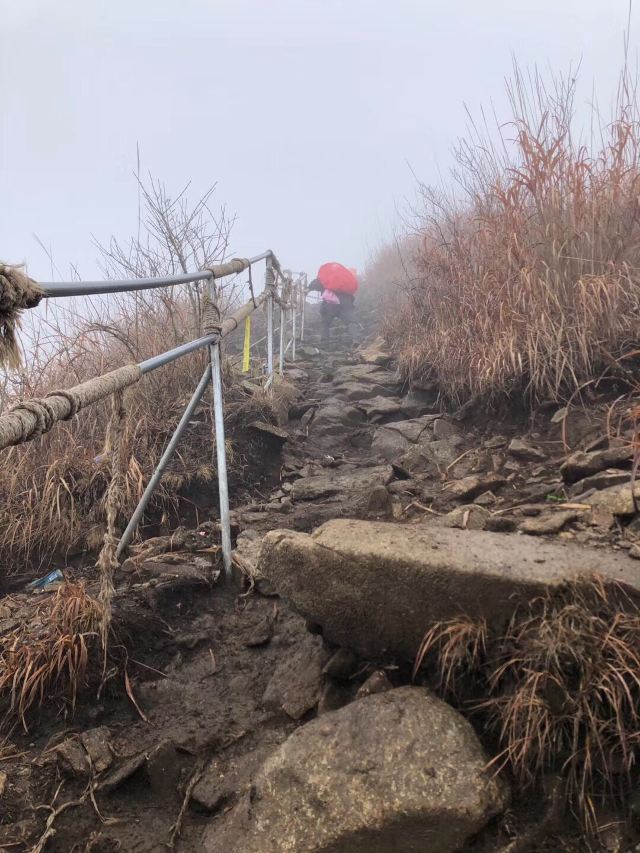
[[310, 114]]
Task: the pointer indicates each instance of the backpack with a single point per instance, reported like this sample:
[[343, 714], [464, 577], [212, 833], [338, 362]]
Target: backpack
[[337, 278]]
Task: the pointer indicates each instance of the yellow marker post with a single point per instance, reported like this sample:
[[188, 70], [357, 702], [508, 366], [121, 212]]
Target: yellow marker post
[[247, 345]]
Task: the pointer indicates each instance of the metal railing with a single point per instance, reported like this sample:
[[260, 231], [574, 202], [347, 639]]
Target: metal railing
[[280, 288]]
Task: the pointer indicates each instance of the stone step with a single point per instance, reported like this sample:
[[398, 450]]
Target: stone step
[[376, 587]]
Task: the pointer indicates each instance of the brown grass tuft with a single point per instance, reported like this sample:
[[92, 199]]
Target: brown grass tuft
[[560, 689], [49, 657]]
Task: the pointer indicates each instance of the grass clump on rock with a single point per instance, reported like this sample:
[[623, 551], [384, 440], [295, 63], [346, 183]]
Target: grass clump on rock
[[558, 689]]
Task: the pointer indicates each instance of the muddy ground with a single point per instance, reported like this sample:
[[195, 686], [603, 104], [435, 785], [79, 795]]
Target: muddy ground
[[154, 765]]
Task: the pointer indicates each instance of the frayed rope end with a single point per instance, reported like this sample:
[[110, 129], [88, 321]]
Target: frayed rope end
[[17, 292]]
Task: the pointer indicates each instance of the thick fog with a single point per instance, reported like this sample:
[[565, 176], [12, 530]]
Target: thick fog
[[312, 117]]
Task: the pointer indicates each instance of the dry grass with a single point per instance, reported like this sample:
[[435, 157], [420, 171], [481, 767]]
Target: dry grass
[[51, 655], [560, 689], [529, 281], [52, 491]]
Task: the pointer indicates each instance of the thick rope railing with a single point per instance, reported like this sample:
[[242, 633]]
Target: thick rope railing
[[29, 419]]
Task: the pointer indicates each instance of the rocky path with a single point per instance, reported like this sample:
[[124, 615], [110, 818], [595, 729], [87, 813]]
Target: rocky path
[[283, 717]]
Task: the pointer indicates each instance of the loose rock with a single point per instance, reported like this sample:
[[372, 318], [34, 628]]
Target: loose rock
[[98, 747], [469, 487], [552, 522], [121, 773], [399, 771], [378, 682], [618, 500], [73, 757], [378, 408], [296, 684], [469, 517], [602, 480], [580, 464], [485, 499], [521, 449]]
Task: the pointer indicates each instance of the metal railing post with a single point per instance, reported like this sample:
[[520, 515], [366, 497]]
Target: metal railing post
[[283, 326], [294, 306], [269, 281], [192, 405], [303, 286], [221, 455]]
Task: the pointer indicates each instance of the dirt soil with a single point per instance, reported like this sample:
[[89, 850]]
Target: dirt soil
[[202, 653]]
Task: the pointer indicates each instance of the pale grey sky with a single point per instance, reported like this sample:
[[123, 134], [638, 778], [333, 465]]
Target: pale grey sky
[[306, 112]]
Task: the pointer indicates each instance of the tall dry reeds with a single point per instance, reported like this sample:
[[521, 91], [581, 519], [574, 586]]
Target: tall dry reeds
[[529, 280]]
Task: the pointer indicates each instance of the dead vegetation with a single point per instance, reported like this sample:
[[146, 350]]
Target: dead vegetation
[[528, 282], [53, 490], [51, 656], [559, 689]]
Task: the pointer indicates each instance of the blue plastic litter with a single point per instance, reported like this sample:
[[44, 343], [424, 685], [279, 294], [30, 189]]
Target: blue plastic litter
[[53, 577]]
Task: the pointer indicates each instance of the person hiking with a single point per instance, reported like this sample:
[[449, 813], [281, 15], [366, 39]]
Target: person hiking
[[337, 286]]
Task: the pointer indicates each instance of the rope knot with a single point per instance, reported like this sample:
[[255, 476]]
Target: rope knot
[[211, 318], [43, 413]]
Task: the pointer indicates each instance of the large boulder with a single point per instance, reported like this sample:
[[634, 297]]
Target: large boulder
[[396, 772], [376, 587]]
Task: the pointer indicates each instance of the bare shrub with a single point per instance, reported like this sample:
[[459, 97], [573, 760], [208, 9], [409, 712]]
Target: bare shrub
[[52, 490]]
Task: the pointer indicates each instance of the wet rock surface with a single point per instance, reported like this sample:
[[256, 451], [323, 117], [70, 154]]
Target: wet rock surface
[[373, 586]]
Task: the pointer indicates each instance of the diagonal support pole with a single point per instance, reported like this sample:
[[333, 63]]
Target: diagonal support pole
[[192, 405]]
